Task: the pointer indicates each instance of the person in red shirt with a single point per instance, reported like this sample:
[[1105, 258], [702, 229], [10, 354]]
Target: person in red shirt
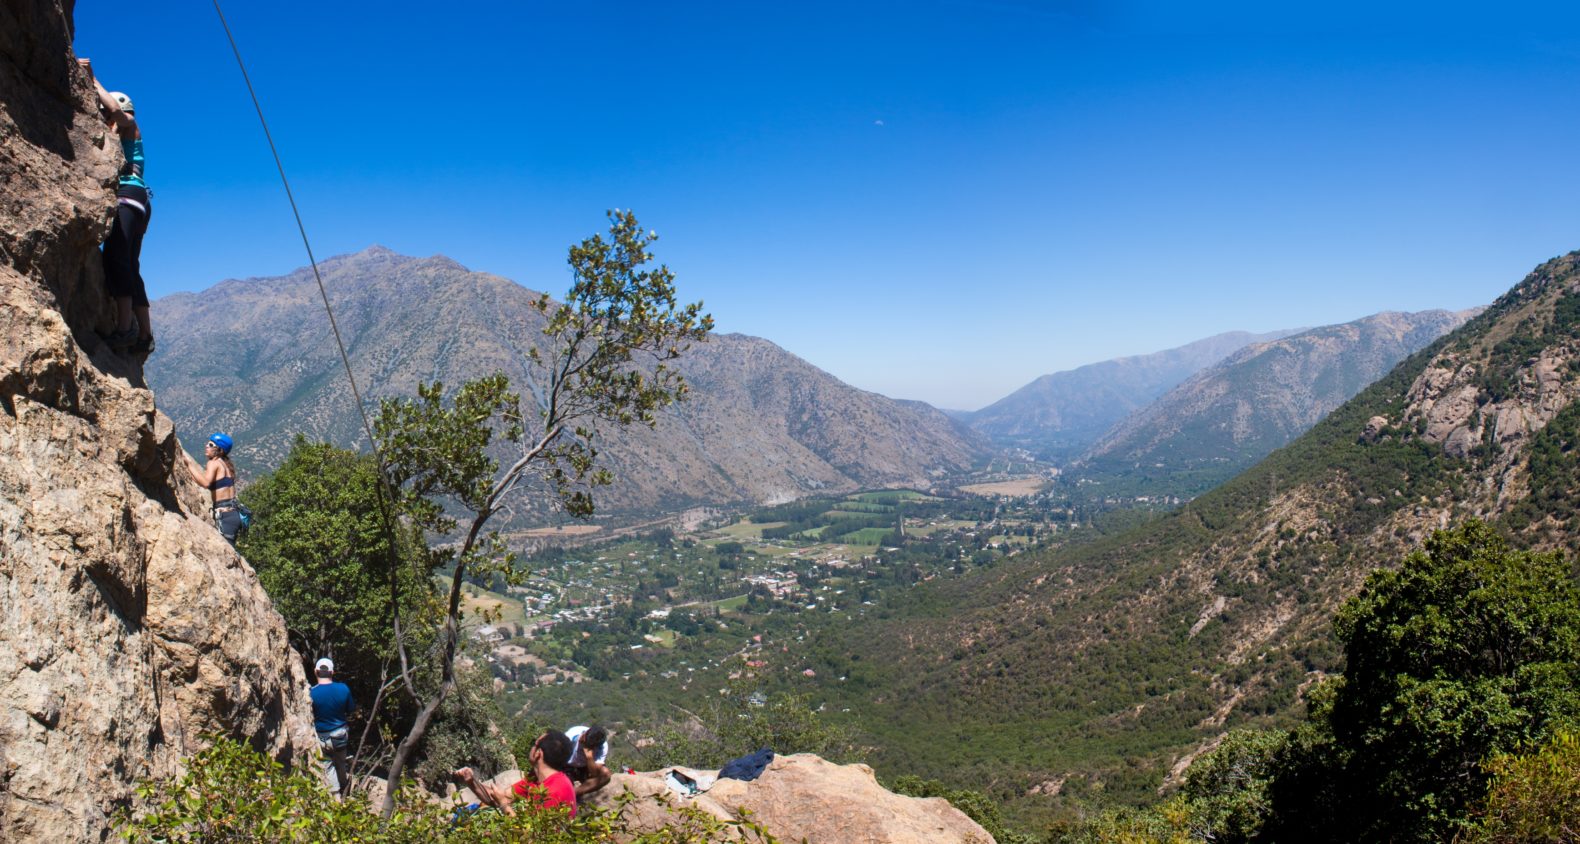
[[545, 785]]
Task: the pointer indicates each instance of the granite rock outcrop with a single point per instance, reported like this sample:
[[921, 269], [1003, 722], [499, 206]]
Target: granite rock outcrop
[[801, 797], [129, 629]]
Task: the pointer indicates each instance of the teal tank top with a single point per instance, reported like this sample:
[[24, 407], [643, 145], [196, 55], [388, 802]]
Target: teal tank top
[[132, 170]]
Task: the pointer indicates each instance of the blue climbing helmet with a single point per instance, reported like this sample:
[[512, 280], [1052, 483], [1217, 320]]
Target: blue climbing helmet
[[221, 442]]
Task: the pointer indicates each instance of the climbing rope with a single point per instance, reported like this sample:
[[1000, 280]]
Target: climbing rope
[[385, 495], [367, 427]]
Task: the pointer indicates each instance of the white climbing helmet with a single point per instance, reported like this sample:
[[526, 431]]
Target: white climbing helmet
[[123, 101]]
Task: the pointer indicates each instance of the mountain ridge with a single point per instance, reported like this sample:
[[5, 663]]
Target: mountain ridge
[[1227, 416], [1058, 415], [255, 357]]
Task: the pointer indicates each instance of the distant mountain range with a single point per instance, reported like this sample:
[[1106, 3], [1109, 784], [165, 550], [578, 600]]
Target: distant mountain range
[[1059, 416], [1103, 666], [255, 358], [1223, 419]]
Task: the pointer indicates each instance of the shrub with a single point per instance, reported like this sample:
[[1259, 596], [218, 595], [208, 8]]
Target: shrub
[[1534, 798], [1226, 790], [974, 804], [232, 793], [1467, 651]]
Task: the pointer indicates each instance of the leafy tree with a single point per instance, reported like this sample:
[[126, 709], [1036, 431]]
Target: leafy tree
[[1534, 797], [1469, 650], [1226, 790], [320, 549], [604, 359]]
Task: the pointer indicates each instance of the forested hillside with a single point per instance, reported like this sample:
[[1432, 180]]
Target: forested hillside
[[1091, 673]]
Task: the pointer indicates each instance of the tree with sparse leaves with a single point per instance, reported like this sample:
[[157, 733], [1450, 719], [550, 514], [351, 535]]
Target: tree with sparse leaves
[[605, 358]]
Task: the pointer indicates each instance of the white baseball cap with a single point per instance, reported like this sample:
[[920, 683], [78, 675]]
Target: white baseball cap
[[324, 663]]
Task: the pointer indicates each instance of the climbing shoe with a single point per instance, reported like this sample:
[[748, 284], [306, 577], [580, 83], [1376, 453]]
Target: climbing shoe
[[143, 347], [122, 340]]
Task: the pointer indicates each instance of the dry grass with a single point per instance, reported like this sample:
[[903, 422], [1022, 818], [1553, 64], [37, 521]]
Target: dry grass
[[1017, 488], [562, 531], [479, 605]]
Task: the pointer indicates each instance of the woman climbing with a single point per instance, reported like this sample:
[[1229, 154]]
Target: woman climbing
[[219, 478], [123, 275]]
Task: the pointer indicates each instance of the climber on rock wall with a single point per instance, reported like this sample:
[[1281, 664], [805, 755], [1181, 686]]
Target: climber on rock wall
[[218, 476], [123, 249]]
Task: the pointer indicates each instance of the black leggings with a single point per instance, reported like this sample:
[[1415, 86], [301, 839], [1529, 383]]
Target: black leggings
[[228, 520], [123, 271]]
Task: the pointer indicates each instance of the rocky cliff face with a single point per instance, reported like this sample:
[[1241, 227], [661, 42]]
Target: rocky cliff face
[[128, 627], [254, 357]]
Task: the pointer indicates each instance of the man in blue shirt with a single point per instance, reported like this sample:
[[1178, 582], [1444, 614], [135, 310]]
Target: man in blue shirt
[[332, 707]]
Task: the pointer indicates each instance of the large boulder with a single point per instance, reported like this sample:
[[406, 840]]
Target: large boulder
[[129, 629], [800, 798]]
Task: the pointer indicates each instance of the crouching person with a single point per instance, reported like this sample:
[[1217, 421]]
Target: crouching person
[[589, 749], [545, 784]]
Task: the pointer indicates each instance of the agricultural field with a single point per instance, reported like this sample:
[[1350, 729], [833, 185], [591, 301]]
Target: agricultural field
[[632, 629], [488, 606], [1015, 488]]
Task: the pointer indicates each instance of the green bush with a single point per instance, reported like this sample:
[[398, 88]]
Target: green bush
[[1165, 823], [232, 793], [464, 732], [1469, 650], [974, 804], [1226, 790], [1534, 798]]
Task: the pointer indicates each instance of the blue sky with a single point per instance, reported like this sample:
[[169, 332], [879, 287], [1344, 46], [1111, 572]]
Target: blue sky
[[929, 199]]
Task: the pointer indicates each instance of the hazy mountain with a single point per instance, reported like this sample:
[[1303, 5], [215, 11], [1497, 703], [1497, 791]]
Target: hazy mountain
[[1235, 412], [1058, 416], [1101, 667], [256, 358]]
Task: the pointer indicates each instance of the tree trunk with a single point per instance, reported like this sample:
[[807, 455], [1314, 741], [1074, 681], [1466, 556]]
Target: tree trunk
[[452, 641], [408, 746]]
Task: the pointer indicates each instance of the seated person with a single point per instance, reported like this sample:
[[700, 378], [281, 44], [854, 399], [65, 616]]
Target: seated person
[[589, 749], [545, 784]]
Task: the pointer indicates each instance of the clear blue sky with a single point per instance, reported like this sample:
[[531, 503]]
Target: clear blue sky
[[934, 200]]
